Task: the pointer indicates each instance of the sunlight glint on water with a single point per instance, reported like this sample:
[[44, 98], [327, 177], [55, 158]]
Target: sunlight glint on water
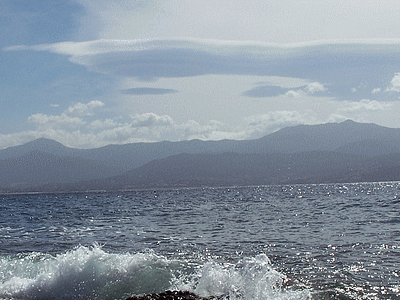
[[281, 242]]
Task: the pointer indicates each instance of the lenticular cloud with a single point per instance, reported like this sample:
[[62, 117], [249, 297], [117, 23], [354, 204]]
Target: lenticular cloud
[[342, 68]]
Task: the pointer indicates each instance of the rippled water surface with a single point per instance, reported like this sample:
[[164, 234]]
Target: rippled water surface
[[325, 241]]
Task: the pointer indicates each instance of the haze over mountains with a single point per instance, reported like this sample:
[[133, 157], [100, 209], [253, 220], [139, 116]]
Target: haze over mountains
[[327, 153]]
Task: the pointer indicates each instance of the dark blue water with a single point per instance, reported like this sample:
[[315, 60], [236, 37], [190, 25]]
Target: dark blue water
[[271, 242]]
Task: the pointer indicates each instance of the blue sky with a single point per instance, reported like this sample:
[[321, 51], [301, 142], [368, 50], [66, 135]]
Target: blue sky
[[90, 73]]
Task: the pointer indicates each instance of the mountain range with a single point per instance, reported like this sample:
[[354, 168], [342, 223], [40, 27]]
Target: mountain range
[[326, 153]]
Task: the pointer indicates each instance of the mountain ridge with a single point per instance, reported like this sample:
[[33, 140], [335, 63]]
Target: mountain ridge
[[350, 141], [300, 138]]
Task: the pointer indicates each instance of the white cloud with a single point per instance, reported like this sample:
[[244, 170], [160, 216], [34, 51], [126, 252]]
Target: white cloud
[[45, 121], [161, 128], [151, 120], [309, 89], [150, 127], [262, 124], [395, 83], [211, 131], [314, 87], [80, 133], [294, 94], [364, 105], [376, 90], [81, 109], [336, 118], [70, 118], [101, 124]]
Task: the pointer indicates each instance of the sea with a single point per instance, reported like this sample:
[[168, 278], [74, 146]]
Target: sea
[[326, 241]]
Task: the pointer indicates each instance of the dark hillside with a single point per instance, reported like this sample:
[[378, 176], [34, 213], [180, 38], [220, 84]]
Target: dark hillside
[[37, 168], [190, 170]]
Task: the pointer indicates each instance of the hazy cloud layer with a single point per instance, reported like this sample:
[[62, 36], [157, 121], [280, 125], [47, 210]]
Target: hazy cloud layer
[[365, 105], [281, 21], [313, 88], [148, 91]]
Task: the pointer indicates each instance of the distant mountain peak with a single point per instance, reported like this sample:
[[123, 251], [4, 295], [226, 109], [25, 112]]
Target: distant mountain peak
[[45, 142], [42, 144], [348, 121]]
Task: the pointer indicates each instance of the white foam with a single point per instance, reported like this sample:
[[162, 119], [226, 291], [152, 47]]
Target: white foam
[[92, 273], [83, 273], [249, 279]]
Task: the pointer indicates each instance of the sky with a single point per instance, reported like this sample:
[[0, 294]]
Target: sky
[[89, 73]]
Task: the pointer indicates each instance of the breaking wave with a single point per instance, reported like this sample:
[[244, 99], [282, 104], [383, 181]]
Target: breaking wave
[[92, 273]]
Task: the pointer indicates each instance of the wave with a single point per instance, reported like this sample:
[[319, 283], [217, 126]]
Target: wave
[[92, 273]]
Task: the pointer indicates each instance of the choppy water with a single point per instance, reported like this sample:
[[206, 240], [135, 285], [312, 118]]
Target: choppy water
[[271, 242]]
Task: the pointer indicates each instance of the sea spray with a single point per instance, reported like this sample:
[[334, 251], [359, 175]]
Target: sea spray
[[92, 273], [249, 279], [83, 273]]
